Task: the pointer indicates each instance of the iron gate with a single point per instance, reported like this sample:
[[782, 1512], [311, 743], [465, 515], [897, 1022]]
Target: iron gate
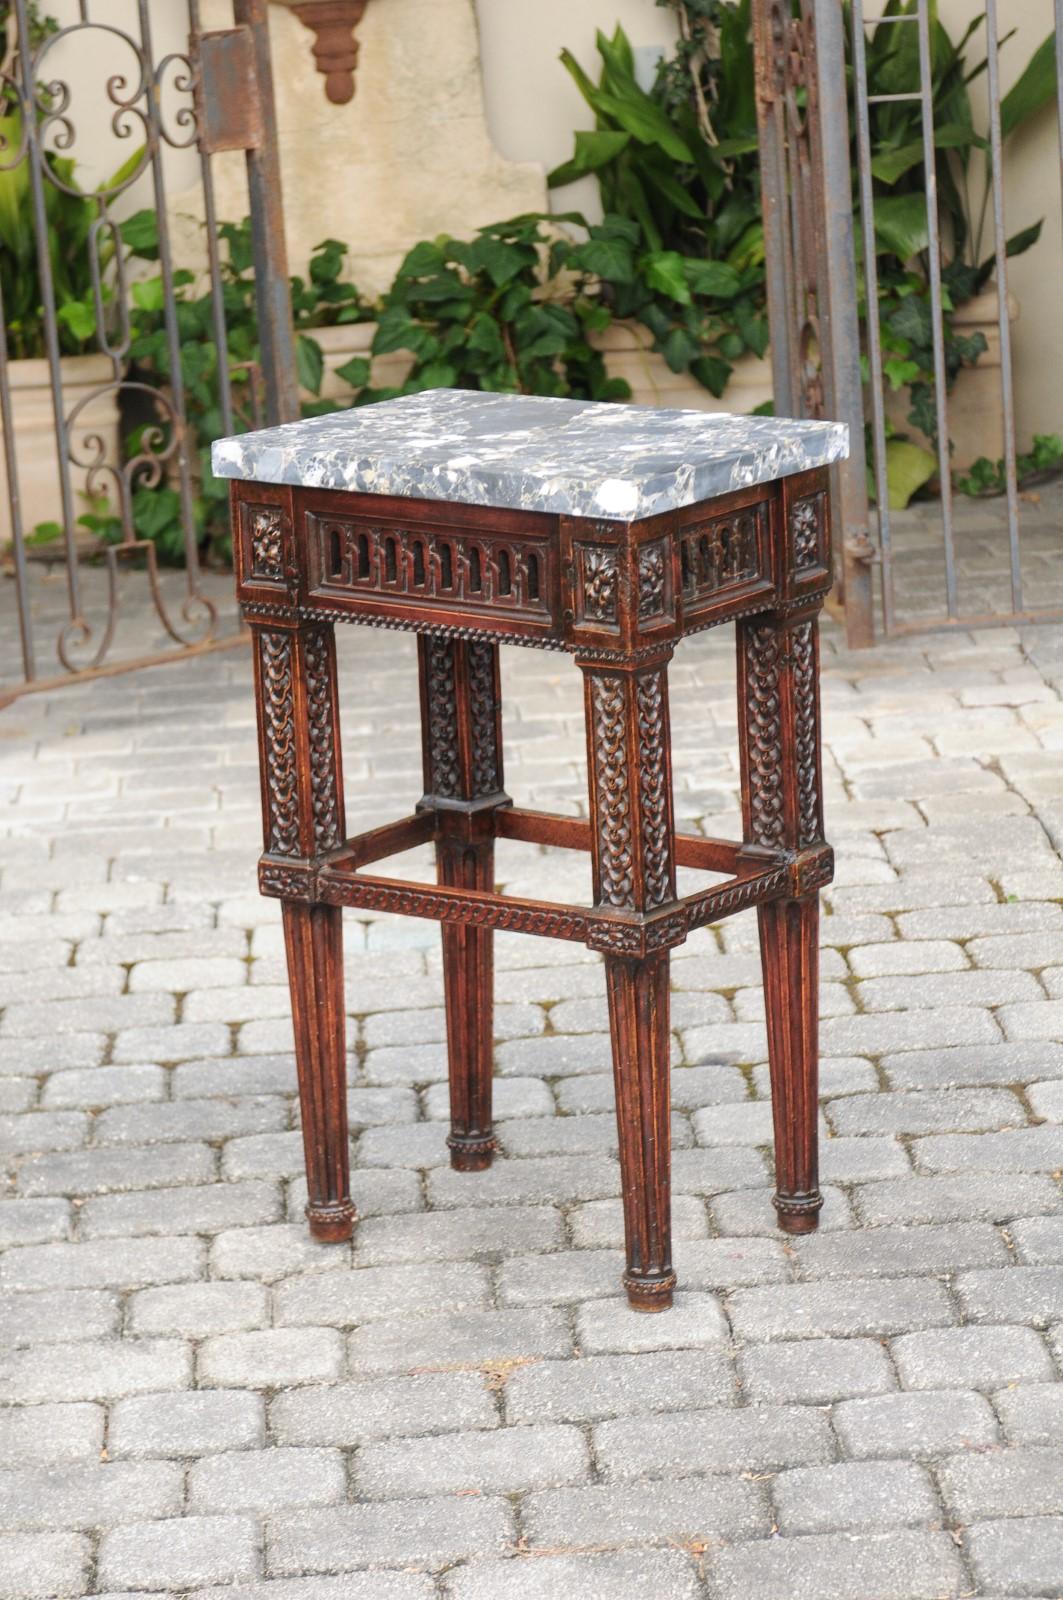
[[821, 111], [212, 94]]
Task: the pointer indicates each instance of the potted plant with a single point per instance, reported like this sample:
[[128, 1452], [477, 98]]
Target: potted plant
[[691, 323], [89, 380]]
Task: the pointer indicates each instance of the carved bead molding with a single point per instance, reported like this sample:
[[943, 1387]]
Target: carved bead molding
[[653, 790], [616, 866], [278, 737], [803, 652], [324, 795], [763, 736], [444, 758], [483, 713], [805, 518], [332, 23]]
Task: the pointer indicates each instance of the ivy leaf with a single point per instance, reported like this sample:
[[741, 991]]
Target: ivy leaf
[[424, 258], [79, 319], [908, 467], [309, 364], [501, 261], [901, 224], [355, 372], [712, 372], [711, 278], [610, 259], [485, 337], [140, 233], [664, 270]]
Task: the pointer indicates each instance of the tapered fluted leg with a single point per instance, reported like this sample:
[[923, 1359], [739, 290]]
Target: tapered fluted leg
[[638, 1020], [461, 721], [782, 788], [634, 873], [468, 987], [789, 948], [313, 940]]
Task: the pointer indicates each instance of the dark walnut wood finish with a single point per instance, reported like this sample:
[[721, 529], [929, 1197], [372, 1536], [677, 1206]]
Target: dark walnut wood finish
[[617, 596]]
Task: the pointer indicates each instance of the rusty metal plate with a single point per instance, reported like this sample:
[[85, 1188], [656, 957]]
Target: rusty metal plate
[[228, 106]]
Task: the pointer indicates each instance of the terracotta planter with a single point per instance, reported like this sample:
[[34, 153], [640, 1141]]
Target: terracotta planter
[[36, 449], [975, 403], [627, 347], [349, 339]]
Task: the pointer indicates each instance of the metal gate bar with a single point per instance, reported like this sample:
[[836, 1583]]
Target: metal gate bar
[[792, 51], [216, 113]]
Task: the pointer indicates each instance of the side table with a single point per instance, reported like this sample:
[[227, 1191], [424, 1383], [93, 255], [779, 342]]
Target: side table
[[610, 532]]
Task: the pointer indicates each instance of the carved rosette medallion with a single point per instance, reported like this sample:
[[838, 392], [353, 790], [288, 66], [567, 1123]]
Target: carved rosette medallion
[[803, 651], [616, 867], [600, 585], [763, 723], [804, 531], [278, 733], [651, 567], [444, 758], [483, 709], [266, 530], [653, 790], [324, 796]]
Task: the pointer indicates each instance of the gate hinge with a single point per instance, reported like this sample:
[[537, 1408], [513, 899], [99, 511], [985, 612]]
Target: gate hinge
[[858, 547], [227, 101]]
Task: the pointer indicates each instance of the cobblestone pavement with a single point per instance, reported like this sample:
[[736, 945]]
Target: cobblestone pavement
[[199, 1401]]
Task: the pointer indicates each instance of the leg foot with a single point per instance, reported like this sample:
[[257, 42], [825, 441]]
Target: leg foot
[[649, 1293], [798, 1213], [789, 943], [468, 1154], [332, 1223], [638, 1015], [313, 941]]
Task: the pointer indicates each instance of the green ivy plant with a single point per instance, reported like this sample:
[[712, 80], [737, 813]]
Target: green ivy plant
[[509, 310], [323, 298]]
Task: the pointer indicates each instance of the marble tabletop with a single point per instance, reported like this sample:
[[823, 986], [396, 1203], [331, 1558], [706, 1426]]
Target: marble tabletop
[[583, 458]]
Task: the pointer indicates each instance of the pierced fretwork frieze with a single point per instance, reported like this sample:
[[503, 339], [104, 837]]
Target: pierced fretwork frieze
[[278, 734], [446, 568], [720, 553]]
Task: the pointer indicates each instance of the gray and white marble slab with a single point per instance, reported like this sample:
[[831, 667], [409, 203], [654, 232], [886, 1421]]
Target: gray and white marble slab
[[583, 458]]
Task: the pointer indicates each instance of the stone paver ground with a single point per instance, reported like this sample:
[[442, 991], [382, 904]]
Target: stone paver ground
[[198, 1401]]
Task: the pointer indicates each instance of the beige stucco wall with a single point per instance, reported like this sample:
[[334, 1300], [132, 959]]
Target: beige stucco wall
[[461, 107], [533, 106]]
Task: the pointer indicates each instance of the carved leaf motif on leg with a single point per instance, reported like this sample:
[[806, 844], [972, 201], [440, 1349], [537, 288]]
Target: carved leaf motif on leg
[[806, 732], [804, 529], [616, 864], [651, 581], [653, 790], [600, 585], [444, 756], [279, 738], [763, 713], [324, 797], [267, 542], [486, 765]]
